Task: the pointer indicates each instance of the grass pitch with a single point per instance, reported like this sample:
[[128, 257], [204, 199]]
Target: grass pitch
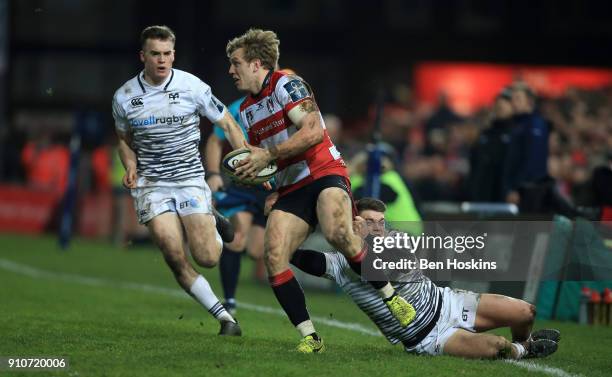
[[119, 313]]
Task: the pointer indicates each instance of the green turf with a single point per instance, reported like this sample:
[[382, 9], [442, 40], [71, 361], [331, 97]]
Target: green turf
[[107, 327]]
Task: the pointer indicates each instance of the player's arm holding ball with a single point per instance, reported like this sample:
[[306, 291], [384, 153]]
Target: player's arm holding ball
[[307, 119]]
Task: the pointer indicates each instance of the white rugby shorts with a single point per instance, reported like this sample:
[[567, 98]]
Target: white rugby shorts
[[152, 198], [458, 312]]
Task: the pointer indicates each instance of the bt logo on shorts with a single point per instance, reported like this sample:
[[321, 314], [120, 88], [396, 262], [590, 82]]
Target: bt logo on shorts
[[193, 203], [464, 314]]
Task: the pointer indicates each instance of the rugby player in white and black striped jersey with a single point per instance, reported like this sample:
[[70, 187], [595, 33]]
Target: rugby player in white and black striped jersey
[[157, 116], [449, 322]]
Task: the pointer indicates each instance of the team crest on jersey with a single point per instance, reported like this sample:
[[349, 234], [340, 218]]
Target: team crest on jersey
[[297, 90], [174, 98]]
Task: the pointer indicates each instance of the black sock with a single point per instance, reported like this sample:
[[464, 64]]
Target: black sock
[[355, 263], [229, 266], [290, 295]]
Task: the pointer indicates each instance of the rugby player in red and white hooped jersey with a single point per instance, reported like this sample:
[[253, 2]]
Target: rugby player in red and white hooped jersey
[[285, 126]]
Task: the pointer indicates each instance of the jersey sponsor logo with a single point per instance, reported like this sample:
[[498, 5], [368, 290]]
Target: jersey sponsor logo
[[137, 102], [249, 115], [272, 125], [153, 120], [297, 90]]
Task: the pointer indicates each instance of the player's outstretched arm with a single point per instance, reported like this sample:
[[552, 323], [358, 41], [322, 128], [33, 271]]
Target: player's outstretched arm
[[213, 151], [310, 261], [128, 159], [232, 130]]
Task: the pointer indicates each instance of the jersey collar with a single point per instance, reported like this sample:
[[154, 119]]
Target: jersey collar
[[266, 82], [142, 82]]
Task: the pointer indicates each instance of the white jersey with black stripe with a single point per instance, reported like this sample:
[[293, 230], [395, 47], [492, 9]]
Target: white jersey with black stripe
[[415, 287], [163, 122]]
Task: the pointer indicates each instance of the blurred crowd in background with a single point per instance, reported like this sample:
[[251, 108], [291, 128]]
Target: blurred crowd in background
[[493, 155]]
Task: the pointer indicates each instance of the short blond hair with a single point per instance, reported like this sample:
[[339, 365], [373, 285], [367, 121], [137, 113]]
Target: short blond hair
[[257, 44]]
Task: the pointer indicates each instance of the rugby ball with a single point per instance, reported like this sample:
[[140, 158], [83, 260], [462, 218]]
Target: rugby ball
[[231, 161]]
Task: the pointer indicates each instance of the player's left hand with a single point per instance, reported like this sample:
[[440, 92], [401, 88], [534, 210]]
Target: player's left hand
[[257, 160]]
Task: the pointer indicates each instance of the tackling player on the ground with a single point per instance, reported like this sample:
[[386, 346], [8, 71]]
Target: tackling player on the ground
[[157, 114], [284, 125], [449, 322]]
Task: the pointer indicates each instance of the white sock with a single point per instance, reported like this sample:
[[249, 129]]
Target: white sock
[[305, 328], [386, 291], [520, 350], [202, 292]]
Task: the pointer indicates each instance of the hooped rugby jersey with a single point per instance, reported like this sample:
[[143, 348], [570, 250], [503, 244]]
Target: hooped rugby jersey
[[266, 119], [164, 123], [415, 287]]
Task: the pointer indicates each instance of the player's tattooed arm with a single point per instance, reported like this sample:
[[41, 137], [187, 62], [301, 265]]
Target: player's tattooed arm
[[308, 106], [298, 113], [310, 132]]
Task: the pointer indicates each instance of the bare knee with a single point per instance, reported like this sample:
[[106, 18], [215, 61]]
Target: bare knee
[[339, 236], [239, 242], [206, 254], [527, 313]]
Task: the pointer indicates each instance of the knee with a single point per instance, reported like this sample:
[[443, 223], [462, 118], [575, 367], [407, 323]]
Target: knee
[[206, 254], [339, 236], [206, 261], [239, 242], [528, 313]]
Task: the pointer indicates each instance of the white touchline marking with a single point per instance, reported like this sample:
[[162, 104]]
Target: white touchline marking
[[531, 366], [34, 272], [99, 282]]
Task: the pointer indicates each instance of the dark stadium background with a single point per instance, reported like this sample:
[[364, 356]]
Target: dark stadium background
[[62, 60]]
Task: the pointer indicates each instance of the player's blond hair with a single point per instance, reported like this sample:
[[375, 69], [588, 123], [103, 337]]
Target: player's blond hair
[[257, 44]]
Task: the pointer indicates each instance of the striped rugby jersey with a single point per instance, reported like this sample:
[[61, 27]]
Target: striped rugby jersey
[[164, 123], [413, 286], [266, 119]]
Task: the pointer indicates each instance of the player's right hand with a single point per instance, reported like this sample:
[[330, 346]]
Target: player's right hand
[[215, 182], [130, 178], [360, 227]]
